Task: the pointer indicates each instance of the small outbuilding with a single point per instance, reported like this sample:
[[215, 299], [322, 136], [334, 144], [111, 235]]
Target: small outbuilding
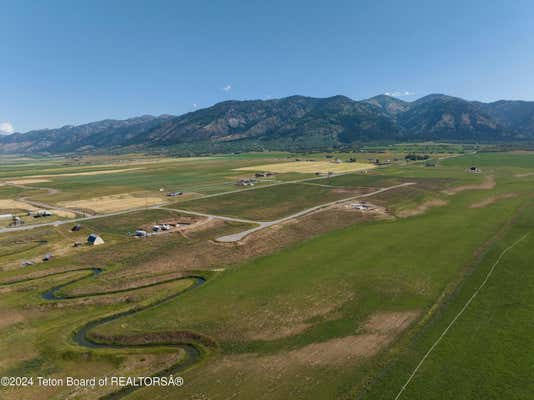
[[76, 228], [94, 240], [48, 257]]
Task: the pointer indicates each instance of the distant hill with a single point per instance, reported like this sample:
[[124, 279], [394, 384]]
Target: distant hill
[[292, 123]]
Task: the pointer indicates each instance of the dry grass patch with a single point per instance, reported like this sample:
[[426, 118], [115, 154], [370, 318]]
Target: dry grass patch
[[27, 181], [492, 199], [271, 325], [422, 208], [309, 167], [524, 175], [35, 178], [376, 333], [488, 183], [11, 317], [64, 213], [115, 202], [8, 204]]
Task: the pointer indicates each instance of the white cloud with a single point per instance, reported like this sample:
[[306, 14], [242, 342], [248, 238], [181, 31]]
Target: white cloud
[[6, 128], [195, 105], [227, 88], [400, 93]]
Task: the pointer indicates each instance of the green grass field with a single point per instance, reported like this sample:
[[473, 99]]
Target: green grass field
[[334, 305]]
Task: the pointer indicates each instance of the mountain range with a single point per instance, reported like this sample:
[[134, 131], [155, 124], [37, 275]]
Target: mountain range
[[292, 123]]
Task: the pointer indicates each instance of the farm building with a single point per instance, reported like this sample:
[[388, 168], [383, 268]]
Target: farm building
[[140, 233], [174, 194], [94, 240]]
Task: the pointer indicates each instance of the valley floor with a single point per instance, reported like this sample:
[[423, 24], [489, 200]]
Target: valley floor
[[404, 282]]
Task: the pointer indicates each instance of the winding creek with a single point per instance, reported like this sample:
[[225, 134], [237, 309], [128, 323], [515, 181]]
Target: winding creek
[[81, 337]]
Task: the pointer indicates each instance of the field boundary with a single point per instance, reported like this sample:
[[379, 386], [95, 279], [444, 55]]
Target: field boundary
[[458, 315]]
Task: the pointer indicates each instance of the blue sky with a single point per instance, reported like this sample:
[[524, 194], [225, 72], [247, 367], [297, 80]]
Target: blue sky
[[71, 62]]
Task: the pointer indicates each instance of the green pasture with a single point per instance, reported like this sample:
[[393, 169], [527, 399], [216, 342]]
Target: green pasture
[[268, 313]]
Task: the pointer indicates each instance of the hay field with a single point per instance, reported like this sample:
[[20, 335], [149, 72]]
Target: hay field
[[8, 204], [27, 181], [308, 167], [86, 173], [111, 203]]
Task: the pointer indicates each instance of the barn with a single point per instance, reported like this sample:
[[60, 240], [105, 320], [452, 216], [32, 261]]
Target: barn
[[94, 240]]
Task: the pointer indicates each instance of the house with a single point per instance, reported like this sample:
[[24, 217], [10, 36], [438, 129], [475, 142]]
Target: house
[[156, 228], [246, 182], [42, 214], [360, 206], [94, 240], [140, 233], [174, 194], [263, 174], [16, 221]]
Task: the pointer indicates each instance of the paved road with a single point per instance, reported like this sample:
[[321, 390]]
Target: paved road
[[238, 236]]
